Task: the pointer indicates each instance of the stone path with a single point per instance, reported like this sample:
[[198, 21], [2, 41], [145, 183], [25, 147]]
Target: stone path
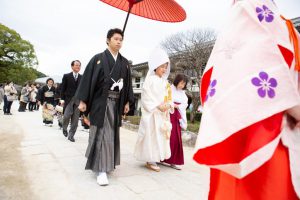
[[39, 163]]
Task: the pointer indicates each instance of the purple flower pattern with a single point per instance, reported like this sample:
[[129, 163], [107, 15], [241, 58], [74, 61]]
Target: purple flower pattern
[[211, 89], [265, 85], [264, 13]]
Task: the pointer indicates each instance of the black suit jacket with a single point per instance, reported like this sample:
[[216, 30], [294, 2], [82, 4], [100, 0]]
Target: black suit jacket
[[69, 87]]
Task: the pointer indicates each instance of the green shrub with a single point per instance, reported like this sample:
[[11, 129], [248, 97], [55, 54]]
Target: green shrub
[[197, 116], [193, 127], [134, 119]]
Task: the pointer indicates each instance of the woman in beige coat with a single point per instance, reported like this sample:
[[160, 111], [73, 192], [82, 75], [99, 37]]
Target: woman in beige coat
[[10, 93]]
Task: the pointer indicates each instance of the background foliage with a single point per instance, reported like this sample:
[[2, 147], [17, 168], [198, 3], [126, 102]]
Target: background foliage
[[18, 61]]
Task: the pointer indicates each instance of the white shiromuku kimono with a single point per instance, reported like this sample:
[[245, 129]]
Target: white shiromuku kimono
[[152, 145], [179, 96]]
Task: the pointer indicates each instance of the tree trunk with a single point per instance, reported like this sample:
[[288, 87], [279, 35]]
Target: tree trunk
[[192, 116], [195, 103]]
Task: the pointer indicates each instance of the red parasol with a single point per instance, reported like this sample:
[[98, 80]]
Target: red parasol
[[160, 10]]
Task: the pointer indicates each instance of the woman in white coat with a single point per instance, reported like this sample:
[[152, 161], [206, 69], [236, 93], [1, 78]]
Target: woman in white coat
[[153, 142]]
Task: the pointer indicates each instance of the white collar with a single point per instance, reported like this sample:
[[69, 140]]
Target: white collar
[[114, 56]]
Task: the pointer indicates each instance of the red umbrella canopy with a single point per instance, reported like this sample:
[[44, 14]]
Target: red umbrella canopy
[[160, 10]]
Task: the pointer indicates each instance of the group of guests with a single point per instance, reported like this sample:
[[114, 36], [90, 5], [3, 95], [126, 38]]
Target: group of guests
[[55, 100], [29, 96], [60, 100]]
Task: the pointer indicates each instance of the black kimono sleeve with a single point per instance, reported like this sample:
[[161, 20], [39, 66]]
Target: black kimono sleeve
[[84, 91], [41, 96], [130, 96]]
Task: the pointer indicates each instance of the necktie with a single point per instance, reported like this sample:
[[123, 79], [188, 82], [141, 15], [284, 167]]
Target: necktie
[[75, 77]]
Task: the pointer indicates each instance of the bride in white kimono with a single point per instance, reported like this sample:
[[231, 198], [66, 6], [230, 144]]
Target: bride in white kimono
[[153, 144]]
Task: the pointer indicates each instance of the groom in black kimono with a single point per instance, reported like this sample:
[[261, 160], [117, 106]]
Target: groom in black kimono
[[105, 92]]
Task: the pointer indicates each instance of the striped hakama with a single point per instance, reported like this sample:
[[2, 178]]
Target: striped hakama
[[103, 151]]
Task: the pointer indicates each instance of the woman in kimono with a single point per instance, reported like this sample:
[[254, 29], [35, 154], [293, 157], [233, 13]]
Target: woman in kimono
[[249, 133], [178, 120], [153, 142], [47, 100]]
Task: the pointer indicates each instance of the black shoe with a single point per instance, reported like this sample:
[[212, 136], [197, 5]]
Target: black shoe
[[71, 139], [65, 133]]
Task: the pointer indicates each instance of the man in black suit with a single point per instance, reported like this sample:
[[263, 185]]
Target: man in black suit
[[69, 86]]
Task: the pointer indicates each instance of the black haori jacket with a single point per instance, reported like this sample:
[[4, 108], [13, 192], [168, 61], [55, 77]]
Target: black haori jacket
[[95, 83]]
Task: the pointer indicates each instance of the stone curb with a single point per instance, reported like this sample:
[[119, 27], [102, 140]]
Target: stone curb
[[188, 138]]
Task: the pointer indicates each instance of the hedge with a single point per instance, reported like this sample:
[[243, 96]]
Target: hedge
[[197, 116]]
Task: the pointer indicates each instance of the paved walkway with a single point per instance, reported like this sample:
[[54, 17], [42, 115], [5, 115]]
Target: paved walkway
[[38, 163]]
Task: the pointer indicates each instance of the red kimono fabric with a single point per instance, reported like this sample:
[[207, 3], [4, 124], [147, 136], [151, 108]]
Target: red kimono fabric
[[272, 181], [175, 141]]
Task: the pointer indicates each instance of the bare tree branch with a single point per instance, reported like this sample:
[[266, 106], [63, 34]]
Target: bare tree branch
[[189, 52]]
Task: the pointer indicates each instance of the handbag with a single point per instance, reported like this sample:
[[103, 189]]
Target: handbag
[[166, 126], [11, 97], [59, 108], [24, 99]]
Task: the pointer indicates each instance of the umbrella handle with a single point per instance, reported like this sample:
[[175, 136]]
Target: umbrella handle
[[128, 13], [131, 3]]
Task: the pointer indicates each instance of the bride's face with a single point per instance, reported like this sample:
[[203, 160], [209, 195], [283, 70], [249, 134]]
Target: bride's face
[[161, 70]]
